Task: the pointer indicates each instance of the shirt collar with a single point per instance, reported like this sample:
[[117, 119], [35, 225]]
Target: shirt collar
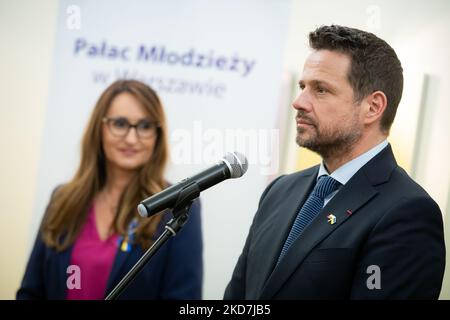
[[346, 171]]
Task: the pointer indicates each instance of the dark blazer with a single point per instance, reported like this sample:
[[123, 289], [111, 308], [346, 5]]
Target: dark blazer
[[174, 272], [383, 218]]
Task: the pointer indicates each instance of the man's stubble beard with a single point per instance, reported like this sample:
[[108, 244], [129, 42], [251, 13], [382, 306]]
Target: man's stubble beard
[[328, 143]]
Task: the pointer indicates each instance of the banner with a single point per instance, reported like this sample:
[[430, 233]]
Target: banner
[[217, 66]]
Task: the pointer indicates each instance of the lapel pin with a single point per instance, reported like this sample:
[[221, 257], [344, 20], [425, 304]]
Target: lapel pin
[[124, 244], [349, 212], [125, 247], [331, 219]]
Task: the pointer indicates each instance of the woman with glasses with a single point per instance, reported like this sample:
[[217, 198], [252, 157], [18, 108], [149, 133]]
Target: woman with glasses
[[92, 234]]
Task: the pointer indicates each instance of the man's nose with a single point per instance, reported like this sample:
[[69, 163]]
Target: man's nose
[[302, 101]]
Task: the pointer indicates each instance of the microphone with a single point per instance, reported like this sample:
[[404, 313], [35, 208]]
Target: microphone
[[232, 165]]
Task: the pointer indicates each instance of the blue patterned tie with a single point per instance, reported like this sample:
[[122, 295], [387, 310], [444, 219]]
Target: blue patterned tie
[[312, 206]]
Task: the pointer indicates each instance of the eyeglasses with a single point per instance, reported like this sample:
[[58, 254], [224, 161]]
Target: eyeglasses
[[120, 127]]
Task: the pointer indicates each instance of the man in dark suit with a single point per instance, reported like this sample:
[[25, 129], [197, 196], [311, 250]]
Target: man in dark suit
[[356, 226]]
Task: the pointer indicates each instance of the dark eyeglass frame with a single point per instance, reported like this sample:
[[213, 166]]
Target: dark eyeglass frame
[[108, 121]]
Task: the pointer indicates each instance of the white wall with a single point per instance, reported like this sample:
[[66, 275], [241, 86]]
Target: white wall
[[418, 30], [27, 30]]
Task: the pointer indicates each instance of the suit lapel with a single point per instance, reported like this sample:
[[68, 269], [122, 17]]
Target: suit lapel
[[64, 262], [283, 222], [119, 261], [345, 204]]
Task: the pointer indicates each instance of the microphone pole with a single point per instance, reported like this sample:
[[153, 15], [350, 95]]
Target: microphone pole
[[181, 200], [180, 215]]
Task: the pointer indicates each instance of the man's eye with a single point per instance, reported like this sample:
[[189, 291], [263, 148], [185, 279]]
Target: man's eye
[[321, 90], [120, 123]]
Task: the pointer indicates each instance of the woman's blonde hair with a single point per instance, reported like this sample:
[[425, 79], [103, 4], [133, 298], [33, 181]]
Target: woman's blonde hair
[[70, 203]]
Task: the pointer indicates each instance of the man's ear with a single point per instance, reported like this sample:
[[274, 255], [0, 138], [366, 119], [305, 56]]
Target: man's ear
[[376, 103]]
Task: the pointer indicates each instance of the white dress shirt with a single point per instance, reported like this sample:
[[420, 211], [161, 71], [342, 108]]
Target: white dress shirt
[[346, 171]]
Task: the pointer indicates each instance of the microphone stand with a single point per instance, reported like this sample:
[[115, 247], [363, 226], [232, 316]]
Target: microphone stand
[[180, 215]]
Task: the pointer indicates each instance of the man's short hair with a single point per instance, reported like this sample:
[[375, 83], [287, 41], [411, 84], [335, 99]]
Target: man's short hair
[[374, 64]]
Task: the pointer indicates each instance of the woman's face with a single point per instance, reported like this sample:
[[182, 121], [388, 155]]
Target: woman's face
[[128, 148]]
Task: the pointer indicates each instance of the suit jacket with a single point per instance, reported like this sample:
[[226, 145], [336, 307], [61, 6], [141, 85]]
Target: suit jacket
[[174, 272], [383, 220]]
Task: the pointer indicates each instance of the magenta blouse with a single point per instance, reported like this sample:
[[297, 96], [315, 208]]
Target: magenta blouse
[[95, 259]]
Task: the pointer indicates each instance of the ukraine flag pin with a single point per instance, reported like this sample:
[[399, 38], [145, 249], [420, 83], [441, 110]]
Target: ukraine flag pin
[[124, 244], [331, 219], [125, 247]]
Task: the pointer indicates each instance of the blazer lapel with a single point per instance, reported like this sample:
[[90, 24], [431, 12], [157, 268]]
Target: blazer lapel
[[64, 262], [119, 261], [131, 251], [284, 217], [349, 199], [355, 194]]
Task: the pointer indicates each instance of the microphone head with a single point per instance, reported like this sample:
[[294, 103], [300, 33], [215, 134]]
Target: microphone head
[[237, 163], [142, 210]]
